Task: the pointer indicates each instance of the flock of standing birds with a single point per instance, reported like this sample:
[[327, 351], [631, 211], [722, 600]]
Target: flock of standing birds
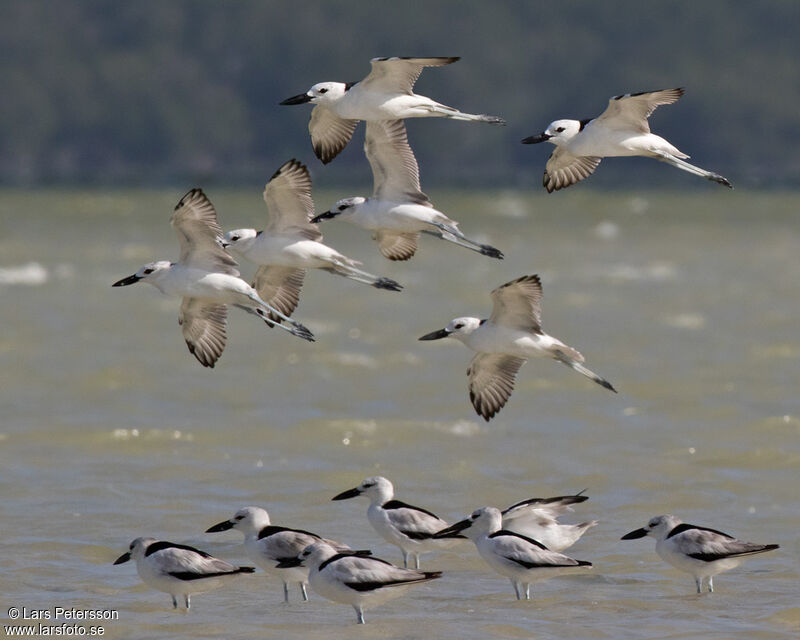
[[523, 542]]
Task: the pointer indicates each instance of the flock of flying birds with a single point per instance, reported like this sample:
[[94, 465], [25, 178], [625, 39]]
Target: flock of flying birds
[[523, 542]]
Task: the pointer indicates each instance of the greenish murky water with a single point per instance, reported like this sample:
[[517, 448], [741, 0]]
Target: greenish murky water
[[109, 429]]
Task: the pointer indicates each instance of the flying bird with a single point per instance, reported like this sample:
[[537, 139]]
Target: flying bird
[[207, 279], [621, 130], [398, 211], [291, 243], [505, 341], [385, 94]]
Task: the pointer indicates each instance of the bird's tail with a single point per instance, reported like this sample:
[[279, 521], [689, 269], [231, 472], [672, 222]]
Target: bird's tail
[[686, 166]]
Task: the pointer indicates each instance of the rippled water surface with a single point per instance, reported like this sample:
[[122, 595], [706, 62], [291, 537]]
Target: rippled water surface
[[109, 429]]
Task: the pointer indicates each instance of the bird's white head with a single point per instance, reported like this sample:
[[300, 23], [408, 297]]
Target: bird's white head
[[324, 93], [248, 520], [345, 207], [458, 328], [239, 240], [315, 554], [151, 272], [559, 132], [658, 527], [377, 488], [136, 550]]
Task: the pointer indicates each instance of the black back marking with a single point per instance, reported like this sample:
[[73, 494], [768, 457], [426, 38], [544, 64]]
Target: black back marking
[[688, 527], [397, 504], [505, 532], [271, 530], [163, 544]]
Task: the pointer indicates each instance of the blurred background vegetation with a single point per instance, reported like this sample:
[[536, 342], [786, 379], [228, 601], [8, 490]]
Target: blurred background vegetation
[[180, 92]]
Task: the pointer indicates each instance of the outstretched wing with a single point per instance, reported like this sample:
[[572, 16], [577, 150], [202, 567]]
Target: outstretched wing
[[397, 246], [395, 172], [329, 133], [199, 233], [279, 287], [631, 110], [491, 382], [518, 304], [564, 169], [203, 326], [288, 199], [398, 75]]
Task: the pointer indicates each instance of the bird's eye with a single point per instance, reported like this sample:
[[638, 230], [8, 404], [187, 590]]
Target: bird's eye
[[560, 129], [323, 91], [237, 518], [146, 271], [235, 238], [458, 326], [343, 207]]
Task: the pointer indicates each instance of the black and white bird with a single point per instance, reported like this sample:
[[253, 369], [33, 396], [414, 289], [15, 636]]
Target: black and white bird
[[385, 94], [177, 569], [410, 528], [207, 279], [521, 559], [291, 243], [537, 518], [505, 341], [267, 545], [355, 577], [398, 211], [621, 130], [700, 551]]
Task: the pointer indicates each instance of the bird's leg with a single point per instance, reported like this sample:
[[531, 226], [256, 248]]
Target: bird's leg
[[711, 584], [188, 601], [303, 591], [699, 583], [456, 237], [359, 613], [296, 329], [685, 166], [527, 587], [405, 558], [577, 366], [516, 588], [341, 269], [286, 592], [416, 560], [174, 602]]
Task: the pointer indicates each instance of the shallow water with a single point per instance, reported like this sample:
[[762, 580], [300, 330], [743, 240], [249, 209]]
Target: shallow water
[[687, 303]]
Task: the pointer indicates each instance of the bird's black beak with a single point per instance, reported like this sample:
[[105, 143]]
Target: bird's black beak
[[220, 526], [345, 495], [300, 98], [123, 558], [325, 216], [436, 335], [454, 530], [126, 281], [542, 137], [288, 563], [639, 533]]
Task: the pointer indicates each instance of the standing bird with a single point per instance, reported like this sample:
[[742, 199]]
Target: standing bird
[[621, 130], [207, 279], [267, 545], [519, 558], [697, 550], [291, 243], [355, 577], [537, 518], [398, 210], [385, 94], [406, 526], [177, 569], [504, 342]]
